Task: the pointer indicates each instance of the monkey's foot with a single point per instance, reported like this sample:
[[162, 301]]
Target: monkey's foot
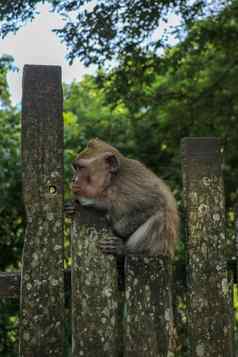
[[112, 245]]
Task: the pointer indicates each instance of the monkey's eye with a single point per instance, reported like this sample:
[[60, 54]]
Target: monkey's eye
[[76, 166]]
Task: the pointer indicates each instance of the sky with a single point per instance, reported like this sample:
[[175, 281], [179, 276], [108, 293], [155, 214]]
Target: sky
[[35, 43]]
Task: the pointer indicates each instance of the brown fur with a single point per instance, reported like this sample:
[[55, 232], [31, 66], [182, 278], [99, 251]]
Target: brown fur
[[141, 207]]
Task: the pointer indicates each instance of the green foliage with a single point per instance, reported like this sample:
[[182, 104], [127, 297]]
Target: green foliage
[[10, 176], [86, 115], [11, 208], [14, 13], [189, 91], [144, 106], [102, 31], [6, 63], [99, 31]]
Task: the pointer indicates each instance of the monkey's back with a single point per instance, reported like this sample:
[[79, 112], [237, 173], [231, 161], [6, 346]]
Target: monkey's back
[[137, 194]]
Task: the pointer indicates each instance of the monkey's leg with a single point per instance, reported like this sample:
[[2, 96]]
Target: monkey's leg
[[150, 238], [128, 224]]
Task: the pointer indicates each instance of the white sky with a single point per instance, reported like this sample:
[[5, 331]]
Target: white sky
[[35, 43]]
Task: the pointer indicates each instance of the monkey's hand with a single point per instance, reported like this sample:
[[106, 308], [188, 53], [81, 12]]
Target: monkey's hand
[[113, 245]]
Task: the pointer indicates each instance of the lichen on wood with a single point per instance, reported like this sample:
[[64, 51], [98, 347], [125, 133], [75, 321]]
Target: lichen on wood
[[42, 281], [149, 320], [210, 317], [106, 319], [95, 295]]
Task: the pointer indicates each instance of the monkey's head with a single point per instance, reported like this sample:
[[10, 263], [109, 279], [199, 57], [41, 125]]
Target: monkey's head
[[94, 169]]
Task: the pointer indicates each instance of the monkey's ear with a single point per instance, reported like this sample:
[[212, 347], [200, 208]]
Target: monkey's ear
[[113, 162]]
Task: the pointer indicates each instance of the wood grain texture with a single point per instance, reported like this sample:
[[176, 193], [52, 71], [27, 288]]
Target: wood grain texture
[[42, 281], [210, 316]]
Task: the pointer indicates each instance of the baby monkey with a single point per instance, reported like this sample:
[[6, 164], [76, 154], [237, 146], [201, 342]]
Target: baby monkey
[[139, 205]]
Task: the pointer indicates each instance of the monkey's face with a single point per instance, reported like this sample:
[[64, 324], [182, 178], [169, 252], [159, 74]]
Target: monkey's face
[[93, 171]]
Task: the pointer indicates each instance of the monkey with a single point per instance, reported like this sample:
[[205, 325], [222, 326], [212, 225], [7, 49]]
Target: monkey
[[139, 205]]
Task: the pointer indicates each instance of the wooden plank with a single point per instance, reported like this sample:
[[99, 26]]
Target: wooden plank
[[10, 282], [210, 295], [95, 295], [149, 325], [42, 283]]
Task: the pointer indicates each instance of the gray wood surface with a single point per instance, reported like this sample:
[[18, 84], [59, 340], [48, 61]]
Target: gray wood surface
[[210, 317], [149, 320], [95, 295], [42, 281]]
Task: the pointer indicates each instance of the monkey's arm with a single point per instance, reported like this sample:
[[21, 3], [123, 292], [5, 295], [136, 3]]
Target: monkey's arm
[[124, 226], [150, 239]]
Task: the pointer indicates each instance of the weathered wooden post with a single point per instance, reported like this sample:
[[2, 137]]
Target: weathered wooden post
[[107, 321], [96, 308], [149, 321], [210, 318], [42, 281]]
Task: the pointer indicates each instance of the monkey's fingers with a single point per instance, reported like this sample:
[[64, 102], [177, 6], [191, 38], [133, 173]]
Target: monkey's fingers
[[107, 247], [113, 246], [111, 242]]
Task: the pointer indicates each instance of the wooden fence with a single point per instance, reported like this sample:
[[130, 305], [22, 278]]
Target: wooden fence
[[136, 307]]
